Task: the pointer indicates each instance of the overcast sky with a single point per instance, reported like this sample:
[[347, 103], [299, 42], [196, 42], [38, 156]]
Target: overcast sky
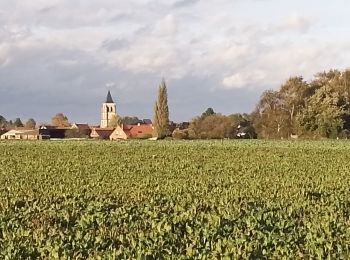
[[63, 55]]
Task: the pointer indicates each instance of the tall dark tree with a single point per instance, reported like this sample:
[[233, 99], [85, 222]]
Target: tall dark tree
[[161, 112], [208, 112], [30, 124], [2, 121], [3, 124], [18, 122]]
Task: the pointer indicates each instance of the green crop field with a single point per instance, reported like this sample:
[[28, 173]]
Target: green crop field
[[179, 200]]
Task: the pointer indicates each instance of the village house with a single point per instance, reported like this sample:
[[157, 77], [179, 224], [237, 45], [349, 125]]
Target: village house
[[139, 131], [101, 133]]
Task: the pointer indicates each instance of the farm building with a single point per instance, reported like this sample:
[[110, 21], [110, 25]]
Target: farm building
[[53, 131], [16, 134]]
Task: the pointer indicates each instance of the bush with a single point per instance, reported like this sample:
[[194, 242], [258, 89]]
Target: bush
[[74, 133], [180, 134], [144, 136]]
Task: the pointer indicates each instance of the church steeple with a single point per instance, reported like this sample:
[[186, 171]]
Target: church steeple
[[108, 111], [109, 98]]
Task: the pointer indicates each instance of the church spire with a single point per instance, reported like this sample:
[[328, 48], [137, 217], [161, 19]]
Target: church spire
[[108, 111], [109, 98]]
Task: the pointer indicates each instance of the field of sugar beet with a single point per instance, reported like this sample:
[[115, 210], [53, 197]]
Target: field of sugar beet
[[175, 199]]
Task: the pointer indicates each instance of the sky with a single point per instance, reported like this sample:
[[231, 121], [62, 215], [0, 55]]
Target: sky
[[64, 55]]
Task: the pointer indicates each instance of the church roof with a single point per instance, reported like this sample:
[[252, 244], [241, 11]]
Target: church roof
[[109, 98]]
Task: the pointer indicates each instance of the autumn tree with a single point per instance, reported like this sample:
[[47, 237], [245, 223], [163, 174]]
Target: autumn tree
[[216, 126], [60, 120], [115, 121], [161, 112], [320, 107], [30, 124]]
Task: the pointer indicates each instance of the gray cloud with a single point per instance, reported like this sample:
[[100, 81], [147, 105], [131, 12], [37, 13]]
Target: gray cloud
[[63, 55]]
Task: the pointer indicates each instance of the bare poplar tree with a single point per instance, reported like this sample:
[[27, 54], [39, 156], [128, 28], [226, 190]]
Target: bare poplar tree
[[161, 112]]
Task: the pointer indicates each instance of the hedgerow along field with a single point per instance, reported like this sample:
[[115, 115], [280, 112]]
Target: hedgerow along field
[[179, 200]]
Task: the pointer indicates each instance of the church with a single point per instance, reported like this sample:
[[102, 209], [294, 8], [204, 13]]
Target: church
[[108, 111], [109, 130]]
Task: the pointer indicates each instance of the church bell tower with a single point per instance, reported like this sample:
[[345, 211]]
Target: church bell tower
[[108, 111]]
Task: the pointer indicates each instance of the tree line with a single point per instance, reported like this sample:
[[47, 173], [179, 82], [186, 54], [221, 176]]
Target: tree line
[[319, 108], [7, 125]]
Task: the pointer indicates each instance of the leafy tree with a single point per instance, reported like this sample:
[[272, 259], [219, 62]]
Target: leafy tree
[[18, 122], [30, 124], [115, 121], [319, 108], [215, 126], [338, 82], [323, 113], [60, 120], [161, 112], [269, 118], [292, 94], [275, 114]]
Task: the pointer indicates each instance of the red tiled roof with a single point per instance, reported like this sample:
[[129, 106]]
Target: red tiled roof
[[138, 130], [127, 127]]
